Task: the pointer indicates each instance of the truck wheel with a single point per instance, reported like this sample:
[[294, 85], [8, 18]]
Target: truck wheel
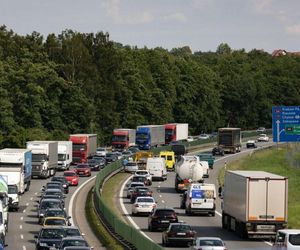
[[213, 214]]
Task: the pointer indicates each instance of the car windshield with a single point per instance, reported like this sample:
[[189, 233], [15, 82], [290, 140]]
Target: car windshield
[[69, 174], [55, 222], [74, 242], [82, 166], [165, 212], [211, 243], [180, 228], [50, 204], [52, 233], [131, 164], [148, 200], [141, 173], [72, 232], [55, 213]]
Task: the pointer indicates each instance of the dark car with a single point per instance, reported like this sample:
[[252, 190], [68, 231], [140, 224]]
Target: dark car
[[140, 191], [57, 184], [94, 164], [54, 191], [143, 179], [101, 160], [72, 231], [48, 203], [63, 180], [83, 169], [53, 196], [72, 241], [179, 233], [160, 218], [49, 237], [111, 157], [218, 151]]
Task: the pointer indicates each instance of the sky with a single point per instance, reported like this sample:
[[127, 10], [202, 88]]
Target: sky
[[200, 24]]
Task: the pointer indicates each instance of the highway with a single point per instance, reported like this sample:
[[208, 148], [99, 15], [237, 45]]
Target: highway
[[166, 196], [23, 225]]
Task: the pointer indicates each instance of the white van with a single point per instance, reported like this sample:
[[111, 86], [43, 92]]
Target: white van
[[157, 168], [287, 239], [205, 167], [200, 198]]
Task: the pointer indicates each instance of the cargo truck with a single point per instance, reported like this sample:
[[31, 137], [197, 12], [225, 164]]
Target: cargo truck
[[16, 165], [254, 203], [188, 170], [84, 146], [148, 136], [123, 138], [4, 200], [64, 151], [176, 132], [229, 141], [44, 158]]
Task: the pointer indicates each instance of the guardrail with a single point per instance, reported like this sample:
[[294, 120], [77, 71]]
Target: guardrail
[[126, 234]]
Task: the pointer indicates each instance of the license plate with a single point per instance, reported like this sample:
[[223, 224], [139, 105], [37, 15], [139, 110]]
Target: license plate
[[164, 221], [180, 233]]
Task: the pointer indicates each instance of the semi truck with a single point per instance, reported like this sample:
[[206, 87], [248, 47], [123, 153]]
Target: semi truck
[[229, 141], [254, 203], [148, 136], [44, 158], [84, 146], [4, 201], [188, 170], [16, 165], [176, 132], [64, 151], [123, 138]]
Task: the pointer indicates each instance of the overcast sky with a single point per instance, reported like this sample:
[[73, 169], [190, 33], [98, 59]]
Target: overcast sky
[[200, 24]]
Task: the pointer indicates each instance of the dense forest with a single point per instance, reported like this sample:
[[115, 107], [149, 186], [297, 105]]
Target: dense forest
[[83, 82]]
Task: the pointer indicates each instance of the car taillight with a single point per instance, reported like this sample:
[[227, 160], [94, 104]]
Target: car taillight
[[136, 205], [155, 217], [190, 233], [173, 216], [170, 234], [149, 193], [154, 205]]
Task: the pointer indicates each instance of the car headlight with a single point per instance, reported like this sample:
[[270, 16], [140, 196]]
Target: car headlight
[[41, 215], [43, 244]]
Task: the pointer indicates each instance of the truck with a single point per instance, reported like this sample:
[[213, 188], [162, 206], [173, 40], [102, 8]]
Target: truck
[[156, 167], [84, 146], [255, 203], [4, 201], [148, 136], [229, 141], [16, 165], [188, 170], [176, 132], [64, 151], [123, 138], [44, 158], [207, 157]]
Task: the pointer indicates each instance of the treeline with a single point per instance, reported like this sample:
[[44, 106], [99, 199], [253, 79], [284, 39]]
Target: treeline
[[74, 82]]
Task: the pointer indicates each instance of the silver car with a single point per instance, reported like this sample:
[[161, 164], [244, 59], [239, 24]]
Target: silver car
[[209, 243], [131, 186]]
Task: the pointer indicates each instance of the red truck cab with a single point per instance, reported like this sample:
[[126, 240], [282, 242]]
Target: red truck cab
[[123, 138], [170, 133]]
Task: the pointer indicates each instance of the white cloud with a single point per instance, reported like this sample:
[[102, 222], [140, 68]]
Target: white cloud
[[178, 17], [263, 6], [144, 17], [293, 29]]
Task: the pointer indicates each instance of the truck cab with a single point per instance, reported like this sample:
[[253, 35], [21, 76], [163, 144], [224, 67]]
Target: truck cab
[[13, 197]]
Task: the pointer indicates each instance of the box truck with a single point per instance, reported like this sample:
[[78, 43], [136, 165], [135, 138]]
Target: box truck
[[229, 141], [176, 132], [16, 165], [64, 151], [123, 138], [44, 158], [148, 136], [84, 146], [254, 203]]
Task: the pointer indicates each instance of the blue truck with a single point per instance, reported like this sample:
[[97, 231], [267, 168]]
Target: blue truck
[[148, 136]]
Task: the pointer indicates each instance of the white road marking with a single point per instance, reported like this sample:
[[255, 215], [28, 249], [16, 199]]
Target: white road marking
[[160, 196], [22, 237], [24, 248], [27, 204], [22, 218], [35, 193], [162, 201], [24, 211], [21, 226], [31, 198]]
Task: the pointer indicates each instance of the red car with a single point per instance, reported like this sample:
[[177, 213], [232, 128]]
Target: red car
[[83, 169], [71, 177]]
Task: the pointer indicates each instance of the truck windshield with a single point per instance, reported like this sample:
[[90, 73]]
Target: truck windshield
[[10, 165], [78, 147], [141, 136], [119, 138], [39, 157], [169, 132], [61, 157], [12, 189]]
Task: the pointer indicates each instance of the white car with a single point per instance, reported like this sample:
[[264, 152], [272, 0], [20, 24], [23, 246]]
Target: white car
[[144, 204], [261, 130], [144, 173], [251, 144], [190, 139], [263, 137], [208, 243], [131, 186], [203, 137], [101, 151], [131, 167]]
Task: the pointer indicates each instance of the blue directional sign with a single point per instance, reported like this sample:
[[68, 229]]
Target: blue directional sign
[[286, 123]]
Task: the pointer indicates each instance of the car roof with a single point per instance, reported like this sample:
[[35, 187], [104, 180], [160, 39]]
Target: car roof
[[51, 199], [209, 238], [289, 231]]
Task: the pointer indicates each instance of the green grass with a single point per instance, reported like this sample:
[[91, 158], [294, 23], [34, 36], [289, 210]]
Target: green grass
[[275, 161]]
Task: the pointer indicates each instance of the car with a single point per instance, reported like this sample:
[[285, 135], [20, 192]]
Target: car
[[143, 205], [55, 221], [139, 178], [127, 153], [203, 137], [55, 212], [101, 160], [190, 139], [251, 144], [58, 184], [54, 191], [131, 167], [140, 191], [83, 169], [63, 180], [101, 151], [263, 138], [218, 151], [72, 231], [160, 218], [111, 157], [287, 239], [261, 130], [72, 241], [133, 149], [208, 243], [131, 186], [144, 173], [118, 154], [71, 177], [46, 204], [51, 185], [48, 237], [94, 164], [53, 196], [179, 233]]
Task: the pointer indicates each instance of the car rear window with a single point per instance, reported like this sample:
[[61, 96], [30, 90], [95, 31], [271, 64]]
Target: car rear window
[[145, 200], [294, 239], [165, 212], [181, 228], [211, 243]]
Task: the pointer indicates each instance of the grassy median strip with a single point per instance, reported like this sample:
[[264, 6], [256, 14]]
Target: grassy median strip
[[99, 230], [282, 161]]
